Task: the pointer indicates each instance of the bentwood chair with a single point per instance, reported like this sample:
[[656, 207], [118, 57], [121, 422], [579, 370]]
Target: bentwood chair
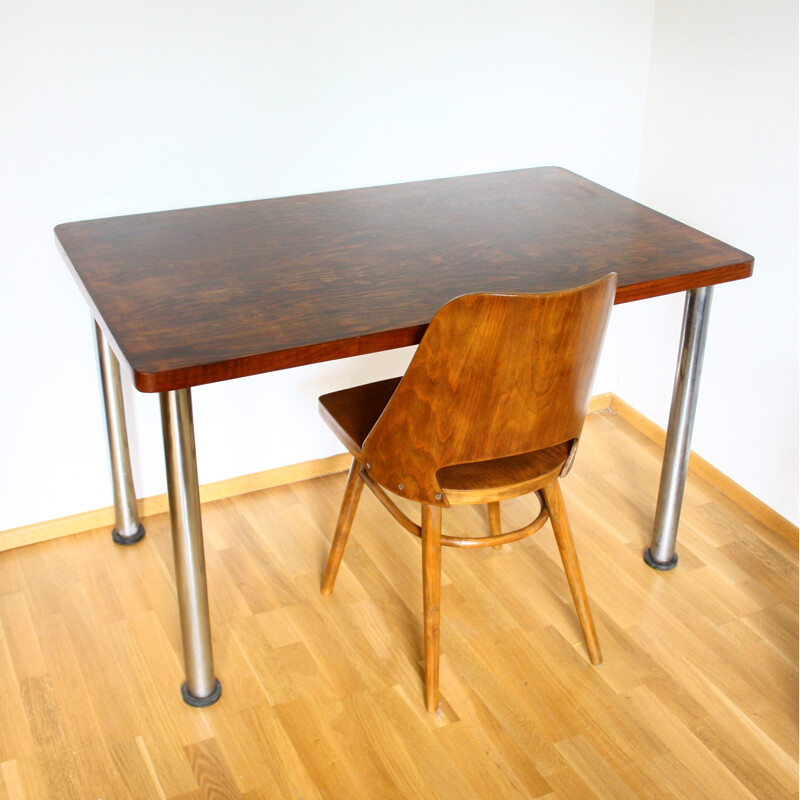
[[490, 408]]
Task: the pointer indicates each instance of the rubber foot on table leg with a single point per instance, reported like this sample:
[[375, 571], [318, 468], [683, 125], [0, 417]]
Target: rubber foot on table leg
[[201, 702], [660, 565], [136, 536]]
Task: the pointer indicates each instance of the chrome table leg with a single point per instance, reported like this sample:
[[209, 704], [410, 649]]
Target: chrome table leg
[[201, 687], [127, 528], [661, 553]]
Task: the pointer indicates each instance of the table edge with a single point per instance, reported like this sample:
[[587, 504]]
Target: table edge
[[244, 366]]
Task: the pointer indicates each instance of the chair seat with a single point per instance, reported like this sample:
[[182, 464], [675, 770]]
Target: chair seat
[[502, 478], [495, 374], [352, 413]]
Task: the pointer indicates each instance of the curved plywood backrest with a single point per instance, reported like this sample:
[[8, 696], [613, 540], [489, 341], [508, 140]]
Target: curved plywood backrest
[[495, 375]]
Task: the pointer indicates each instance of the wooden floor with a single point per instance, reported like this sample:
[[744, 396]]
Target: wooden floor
[[322, 697]]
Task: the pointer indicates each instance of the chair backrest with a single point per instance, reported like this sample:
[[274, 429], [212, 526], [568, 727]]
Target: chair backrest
[[495, 375]]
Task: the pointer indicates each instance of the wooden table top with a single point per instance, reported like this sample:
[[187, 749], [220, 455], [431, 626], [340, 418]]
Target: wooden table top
[[207, 294]]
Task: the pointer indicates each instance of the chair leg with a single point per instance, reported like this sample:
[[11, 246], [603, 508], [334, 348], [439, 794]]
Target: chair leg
[[495, 528], [431, 594], [352, 493], [558, 516]]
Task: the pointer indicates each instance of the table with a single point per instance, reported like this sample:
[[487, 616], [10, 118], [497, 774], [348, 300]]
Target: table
[[188, 297]]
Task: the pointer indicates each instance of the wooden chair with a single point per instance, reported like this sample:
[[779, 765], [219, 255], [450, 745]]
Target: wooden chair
[[490, 408]]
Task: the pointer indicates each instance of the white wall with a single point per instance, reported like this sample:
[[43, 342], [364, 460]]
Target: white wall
[[720, 153], [113, 108], [116, 107]]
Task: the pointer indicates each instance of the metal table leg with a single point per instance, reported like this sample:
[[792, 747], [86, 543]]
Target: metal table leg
[[661, 553], [127, 528], [201, 687]]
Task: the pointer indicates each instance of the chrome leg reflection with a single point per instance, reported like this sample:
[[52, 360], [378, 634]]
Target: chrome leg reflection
[[661, 553], [127, 528], [201, 687]]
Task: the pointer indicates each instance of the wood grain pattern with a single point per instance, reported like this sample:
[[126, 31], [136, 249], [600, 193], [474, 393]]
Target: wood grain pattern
[[208, 294], [498, 384], [494, 376], [554, 501], [502, 478], [352, 493], [431, 600], [697, 695]]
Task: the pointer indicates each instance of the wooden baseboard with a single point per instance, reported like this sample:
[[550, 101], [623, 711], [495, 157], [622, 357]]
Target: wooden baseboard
[[601, 402], [104, 517], [757, 509], [147, 506]]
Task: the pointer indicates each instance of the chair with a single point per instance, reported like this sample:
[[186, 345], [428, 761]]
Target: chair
[[490, 408]]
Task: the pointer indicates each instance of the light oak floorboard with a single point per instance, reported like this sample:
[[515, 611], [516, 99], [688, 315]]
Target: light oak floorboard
[[323, 696]]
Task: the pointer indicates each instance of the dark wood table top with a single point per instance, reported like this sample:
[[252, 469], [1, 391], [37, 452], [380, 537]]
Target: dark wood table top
[[207, 294]]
